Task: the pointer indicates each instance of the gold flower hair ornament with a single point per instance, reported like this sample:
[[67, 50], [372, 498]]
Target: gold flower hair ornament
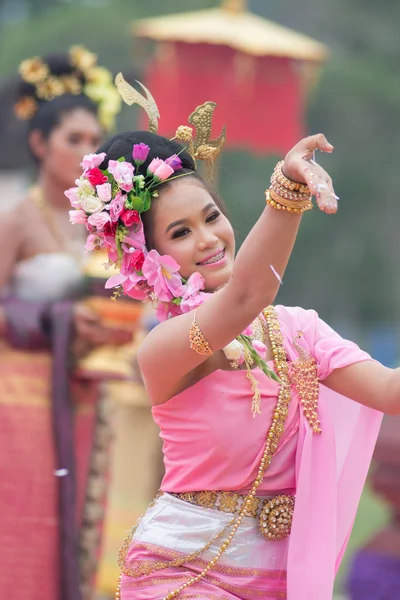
[[202, 146], [87, 78]]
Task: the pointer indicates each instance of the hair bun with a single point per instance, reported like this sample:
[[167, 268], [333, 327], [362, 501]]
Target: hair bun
[[121, 145]]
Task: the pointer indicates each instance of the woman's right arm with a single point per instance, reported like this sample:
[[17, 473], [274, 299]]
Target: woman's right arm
[[165, 356]]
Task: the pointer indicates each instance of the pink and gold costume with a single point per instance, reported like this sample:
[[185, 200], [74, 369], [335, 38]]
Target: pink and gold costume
[[212, 443]]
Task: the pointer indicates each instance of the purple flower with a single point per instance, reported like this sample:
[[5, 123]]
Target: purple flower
[[140, 152], [175, 162]]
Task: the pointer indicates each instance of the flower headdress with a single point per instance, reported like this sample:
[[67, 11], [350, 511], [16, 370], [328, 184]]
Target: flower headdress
[[110, 202], [85, 78]]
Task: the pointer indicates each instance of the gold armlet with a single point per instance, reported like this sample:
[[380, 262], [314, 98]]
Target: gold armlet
[[198, 342]]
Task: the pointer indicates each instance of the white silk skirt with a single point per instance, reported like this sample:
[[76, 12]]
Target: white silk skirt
[[172, 529]]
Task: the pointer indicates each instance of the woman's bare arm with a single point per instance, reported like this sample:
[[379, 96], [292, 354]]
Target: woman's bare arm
[[165, 356]]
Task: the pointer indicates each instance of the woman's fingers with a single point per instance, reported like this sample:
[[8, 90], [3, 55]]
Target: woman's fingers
[[315, 142], [321, 186]]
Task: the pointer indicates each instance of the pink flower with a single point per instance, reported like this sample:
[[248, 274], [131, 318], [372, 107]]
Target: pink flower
[[111, 245], [104, 192], [140, 152], [156, 162], [163, 171], [161, 273], [248, 331], [122, 173], [141, 291], [192, 297], [165, 310], [130, 217], [193, 301], [128, 282], [73, 197], [94, 242], [175, 162], [95, 176], [136, 235], [117, 206], [91, 161], [77, 216], [260, 348], [194, 284], [99, 220]]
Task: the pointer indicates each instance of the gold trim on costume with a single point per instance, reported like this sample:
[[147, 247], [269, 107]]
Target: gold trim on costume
[[271, 445]]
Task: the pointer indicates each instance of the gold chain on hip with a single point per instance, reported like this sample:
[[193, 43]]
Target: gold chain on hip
[[271, 445]]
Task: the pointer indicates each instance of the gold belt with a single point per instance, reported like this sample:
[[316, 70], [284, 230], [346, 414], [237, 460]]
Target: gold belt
[[275, 514]]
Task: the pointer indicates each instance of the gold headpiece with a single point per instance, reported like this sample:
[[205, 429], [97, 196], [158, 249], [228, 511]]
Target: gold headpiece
[[87, 78], [202, 147]]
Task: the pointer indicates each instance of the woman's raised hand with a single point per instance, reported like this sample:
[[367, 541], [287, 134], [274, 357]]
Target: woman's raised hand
[[299, 165]]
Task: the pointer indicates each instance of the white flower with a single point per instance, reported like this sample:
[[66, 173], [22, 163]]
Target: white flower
[[140, 179], [85, 188], [91, 204], [234, 351]]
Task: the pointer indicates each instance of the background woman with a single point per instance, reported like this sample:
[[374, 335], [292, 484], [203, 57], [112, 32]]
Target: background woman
[[55, 433]]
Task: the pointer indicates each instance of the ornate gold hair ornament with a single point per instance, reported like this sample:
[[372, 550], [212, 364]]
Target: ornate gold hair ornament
[[200, 147], [131, 96]]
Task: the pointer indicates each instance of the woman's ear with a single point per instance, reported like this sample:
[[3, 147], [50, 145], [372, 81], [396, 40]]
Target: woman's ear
[[37, 144]]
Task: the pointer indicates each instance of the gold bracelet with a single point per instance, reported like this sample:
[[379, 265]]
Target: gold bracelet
[[283, 192], [288, 183], [279, 203], [198, 342]]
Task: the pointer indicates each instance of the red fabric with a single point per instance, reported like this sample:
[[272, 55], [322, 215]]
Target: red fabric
[[259, 99], [29, 499]]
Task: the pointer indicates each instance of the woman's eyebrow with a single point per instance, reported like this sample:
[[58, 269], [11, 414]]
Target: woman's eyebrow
[[182, 221]]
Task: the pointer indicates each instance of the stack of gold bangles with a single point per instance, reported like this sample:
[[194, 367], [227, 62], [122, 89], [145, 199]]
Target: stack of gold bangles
[[285, 194]]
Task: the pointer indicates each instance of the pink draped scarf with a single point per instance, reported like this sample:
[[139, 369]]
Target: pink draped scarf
[[331, 468]]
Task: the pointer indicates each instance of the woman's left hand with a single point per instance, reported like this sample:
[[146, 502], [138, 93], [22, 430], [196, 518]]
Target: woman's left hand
[[299, 166]]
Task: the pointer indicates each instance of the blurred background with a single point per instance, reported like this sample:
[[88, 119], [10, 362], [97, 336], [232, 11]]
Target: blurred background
[[313, 66]]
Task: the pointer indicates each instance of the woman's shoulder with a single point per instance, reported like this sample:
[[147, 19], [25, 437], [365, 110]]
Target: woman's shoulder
[[296, 315]]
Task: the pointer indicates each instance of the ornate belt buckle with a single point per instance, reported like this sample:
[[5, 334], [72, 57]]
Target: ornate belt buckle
[[276, 518]]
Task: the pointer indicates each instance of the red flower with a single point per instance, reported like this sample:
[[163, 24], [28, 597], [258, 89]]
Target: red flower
[[132, 260], [95, 176], [129, 217], [110, 229]]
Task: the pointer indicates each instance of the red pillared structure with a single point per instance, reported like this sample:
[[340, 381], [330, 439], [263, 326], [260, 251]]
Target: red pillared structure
[[256, 71]]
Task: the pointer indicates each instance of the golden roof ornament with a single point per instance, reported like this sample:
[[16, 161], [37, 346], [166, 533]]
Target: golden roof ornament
[[232, 25]]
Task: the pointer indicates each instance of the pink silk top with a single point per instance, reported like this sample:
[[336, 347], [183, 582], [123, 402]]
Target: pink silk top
[[212, 442]]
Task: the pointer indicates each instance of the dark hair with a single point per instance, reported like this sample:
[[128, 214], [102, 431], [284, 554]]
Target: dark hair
[[121, 145], [50, 112]]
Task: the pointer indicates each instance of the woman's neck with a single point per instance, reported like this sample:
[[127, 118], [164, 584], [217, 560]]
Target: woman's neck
[[53, 191]]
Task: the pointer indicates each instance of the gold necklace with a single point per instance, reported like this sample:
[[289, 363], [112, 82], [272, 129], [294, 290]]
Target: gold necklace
[[271, 445], [38, 198]]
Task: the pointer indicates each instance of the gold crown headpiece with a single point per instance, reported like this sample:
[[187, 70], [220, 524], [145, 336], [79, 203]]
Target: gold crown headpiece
[[202, 146], [86, 78]]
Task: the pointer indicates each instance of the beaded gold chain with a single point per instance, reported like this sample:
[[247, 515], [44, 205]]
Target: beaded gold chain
[[271, 445]]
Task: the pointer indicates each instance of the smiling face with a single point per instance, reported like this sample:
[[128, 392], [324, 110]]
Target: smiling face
[[188, 225]]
